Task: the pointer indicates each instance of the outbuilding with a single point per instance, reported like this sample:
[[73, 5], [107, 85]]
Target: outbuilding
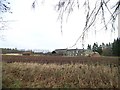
[[27, 53]]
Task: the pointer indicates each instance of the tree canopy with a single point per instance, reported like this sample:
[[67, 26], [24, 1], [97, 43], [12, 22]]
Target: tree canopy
[[116, 47], [109, 49]]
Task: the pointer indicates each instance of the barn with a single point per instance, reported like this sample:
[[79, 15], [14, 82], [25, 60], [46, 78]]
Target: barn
[[27, 53]]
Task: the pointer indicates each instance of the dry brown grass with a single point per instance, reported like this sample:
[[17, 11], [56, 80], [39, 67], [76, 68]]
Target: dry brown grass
[[34, 75]]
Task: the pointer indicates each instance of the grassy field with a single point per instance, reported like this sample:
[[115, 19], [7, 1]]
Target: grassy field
[[52, 75]]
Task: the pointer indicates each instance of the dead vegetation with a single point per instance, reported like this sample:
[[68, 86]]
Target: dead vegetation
[[78, 75]]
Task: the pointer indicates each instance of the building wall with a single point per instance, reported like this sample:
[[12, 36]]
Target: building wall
[[69, 52]]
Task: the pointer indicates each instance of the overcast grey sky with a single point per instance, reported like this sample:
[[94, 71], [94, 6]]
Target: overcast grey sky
[[39, 29]]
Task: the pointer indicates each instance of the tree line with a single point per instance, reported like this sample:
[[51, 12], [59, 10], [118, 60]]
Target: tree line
[[10, 50], [22, 51], [109, 49]]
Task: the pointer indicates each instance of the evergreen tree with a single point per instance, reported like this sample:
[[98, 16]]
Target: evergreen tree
[[99, 50], [95, 47], [116, 47], [89, 47]]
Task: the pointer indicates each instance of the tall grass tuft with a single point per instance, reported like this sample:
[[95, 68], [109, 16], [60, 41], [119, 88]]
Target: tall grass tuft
[[34, 75]]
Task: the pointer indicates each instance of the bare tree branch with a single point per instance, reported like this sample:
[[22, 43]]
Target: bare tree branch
[[91, 17], [5, 6], [67, 7]]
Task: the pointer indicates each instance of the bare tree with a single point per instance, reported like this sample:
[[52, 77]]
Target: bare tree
[[4, 7], [91, 14], [101, 6]]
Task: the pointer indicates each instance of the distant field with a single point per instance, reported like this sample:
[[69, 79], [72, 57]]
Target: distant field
[[60, 59], [59, 72]]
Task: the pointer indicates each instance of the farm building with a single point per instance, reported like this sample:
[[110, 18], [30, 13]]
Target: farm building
[[68, 52], [28, 53], [90, 53], [61, 52], [87, 52], [95, 54]]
